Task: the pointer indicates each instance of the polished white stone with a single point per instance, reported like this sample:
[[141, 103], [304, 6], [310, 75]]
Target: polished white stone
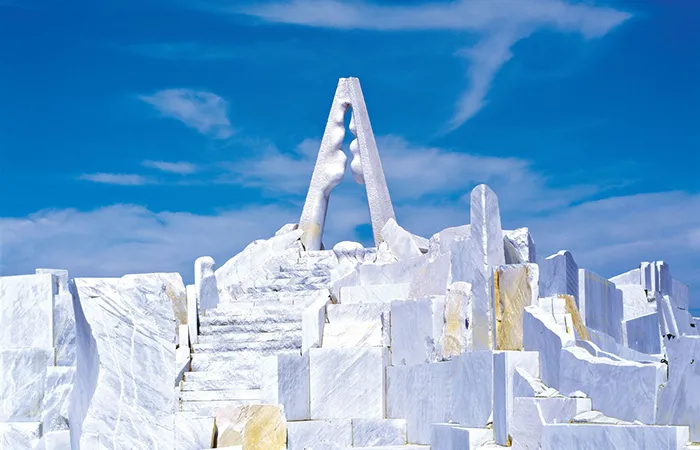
[[194, 432], [559, 275], [205, 283], [519, 247], [20, 435], [376, 432], [623, 389], [459, 390], [400, 241], [285, 381], [679, 400], [378, 293], [126, 332], [22, 382], [416, 328], [543, 334], [600, 304], [319, 434], [347, 383], [57, 387], [504, 366], [27, 311]]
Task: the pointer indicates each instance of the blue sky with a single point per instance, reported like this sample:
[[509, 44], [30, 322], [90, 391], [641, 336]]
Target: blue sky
[[136, 136]]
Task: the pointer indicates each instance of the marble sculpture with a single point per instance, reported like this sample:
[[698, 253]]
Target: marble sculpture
[[465, 340]]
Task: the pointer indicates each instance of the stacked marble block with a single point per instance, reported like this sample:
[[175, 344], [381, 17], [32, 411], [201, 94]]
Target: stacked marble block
[[37, 350]]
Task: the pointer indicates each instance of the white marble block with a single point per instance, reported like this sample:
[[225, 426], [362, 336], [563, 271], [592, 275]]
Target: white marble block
[[357, 325], [57, 387], [467, 265], [348, 383], [126, 333], [600, 304], [456, 337], [431, 278], [400, 241], [205, 283], [642, 333], [679, 400], [22, 383], [459, 390], [193, 433], [416, 327], [530, 415], [443, 241], [319, 434], [486, 224], [27, 311], [313, 321], [623, 389], [20, 435], [63, 318], [504, 365], [391, 272], [56, 440], [192, 314], [635, 302], [561, 436], [518, 246], [285, 381], [450, 436], [559, 275], [378, 293], [541, 333], [515, 287], [680, 294], [376, 432]]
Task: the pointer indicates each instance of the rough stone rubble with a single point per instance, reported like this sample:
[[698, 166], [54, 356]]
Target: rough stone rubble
[[466, 340]]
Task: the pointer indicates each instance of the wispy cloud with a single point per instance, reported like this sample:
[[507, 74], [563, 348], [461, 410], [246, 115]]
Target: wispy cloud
[[608, 236], [498, 25], [180, 51], [181, 168], [122, 179], [204, 111], [442, 172]]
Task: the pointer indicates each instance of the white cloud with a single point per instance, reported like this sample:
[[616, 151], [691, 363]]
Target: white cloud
[[608, 236], [181, 168], [122, 179], [204, 111], [441, 172], [499, 24]]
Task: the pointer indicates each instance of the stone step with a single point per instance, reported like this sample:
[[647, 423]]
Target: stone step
[[236, 347], [290, 331], [279, 296], [218, 384], [287, 288], [232, 316], [211, 333], [208, 408], [243, 377], [392, 447], [229, 361], [220, 395]]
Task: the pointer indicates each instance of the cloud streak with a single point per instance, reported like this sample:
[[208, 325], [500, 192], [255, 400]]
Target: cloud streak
[[498, 25], [204, 111], [180, 168], [121, 179], [609, 236]]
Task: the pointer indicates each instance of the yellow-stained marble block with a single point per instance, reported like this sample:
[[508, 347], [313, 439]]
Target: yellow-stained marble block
[[254, 427], [514, 288], [581, 331]]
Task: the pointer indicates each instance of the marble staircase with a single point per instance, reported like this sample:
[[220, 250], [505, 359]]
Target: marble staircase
[[264, 320]]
